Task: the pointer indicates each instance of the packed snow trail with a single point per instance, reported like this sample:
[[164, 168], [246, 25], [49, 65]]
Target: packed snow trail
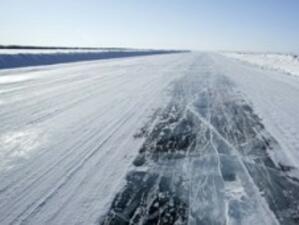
[[169, 139]]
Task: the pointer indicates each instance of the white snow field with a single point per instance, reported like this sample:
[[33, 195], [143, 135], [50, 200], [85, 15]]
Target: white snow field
[[288, 63], [189, 138]]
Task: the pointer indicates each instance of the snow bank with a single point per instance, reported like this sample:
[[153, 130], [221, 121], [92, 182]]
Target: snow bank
[[11, 58], [286, 63]]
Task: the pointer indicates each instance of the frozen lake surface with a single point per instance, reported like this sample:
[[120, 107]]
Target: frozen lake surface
[[189, 138]]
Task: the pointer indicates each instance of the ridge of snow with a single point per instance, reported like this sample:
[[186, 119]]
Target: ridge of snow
[[287, 63]]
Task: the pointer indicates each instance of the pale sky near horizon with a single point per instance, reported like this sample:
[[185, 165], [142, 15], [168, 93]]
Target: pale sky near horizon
[[256, 25]]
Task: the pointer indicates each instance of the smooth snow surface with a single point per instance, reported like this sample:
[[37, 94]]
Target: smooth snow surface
[[189, 138], [287, 63]]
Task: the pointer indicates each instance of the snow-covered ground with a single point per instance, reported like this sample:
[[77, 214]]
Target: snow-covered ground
[[288, 63], [190, 138]]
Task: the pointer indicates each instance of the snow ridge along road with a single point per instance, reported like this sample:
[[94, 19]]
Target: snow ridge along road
[[287, 63], [12, 58], [166, 139]]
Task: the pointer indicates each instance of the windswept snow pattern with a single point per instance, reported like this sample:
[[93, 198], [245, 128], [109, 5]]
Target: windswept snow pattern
[[169, 139]]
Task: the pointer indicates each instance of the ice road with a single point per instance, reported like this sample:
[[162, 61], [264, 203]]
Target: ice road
[[189, 138]]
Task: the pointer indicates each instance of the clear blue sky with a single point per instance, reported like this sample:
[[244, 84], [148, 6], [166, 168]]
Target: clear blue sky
[[271, 25]]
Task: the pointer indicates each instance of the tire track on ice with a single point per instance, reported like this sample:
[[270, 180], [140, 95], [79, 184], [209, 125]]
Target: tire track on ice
[[70, 173], [37, 200], [193, 166]]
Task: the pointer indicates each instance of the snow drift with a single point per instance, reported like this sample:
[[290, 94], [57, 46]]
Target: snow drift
[[287, 63]]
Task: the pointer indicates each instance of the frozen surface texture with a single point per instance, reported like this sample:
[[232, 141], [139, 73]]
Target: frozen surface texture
[[167, 139]]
